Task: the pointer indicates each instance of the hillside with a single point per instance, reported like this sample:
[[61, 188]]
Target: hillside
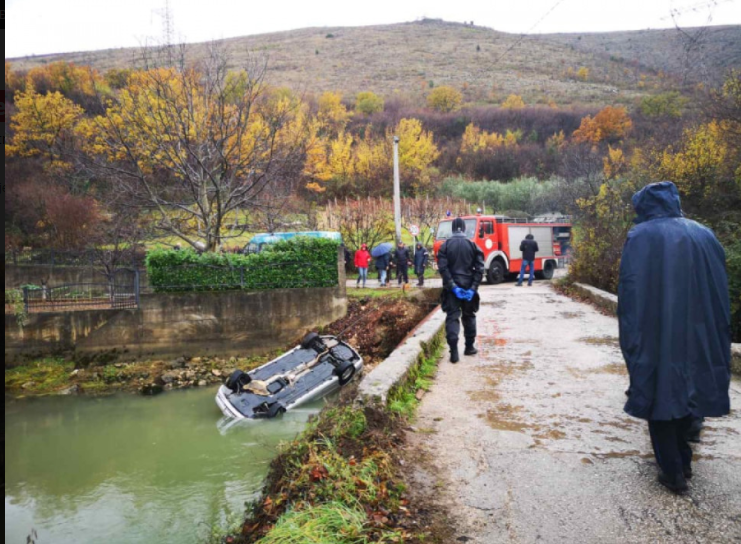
[[407, 59]]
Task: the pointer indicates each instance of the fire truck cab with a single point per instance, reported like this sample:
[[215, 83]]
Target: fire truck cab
[[499, 237]]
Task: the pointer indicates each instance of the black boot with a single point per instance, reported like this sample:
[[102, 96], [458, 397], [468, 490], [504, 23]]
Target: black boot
[[454, 356], [677, 485], [470, 349]]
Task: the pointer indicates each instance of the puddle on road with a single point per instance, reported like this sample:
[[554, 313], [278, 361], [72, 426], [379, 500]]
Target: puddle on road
[[601, 341]]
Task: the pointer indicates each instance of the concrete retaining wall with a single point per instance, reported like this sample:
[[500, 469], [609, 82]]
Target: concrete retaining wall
[[170, 325], [394, 371], [231, 323], [609, 302]]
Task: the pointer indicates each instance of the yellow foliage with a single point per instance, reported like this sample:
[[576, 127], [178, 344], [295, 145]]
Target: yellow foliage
[[332, 114], [445, 99], [67, 78], [476, 140], [583, 73], [615, 163], [41, 125], [700, 162], [609, 125], [513, 102]]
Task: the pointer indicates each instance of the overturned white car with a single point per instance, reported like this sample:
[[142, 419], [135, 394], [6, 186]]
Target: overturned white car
[[318, 367]]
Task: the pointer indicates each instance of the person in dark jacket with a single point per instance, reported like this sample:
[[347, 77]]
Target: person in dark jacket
[[529, 248], [402, 259], [675, 327], [461, 264], [382, 265], [421, 258]]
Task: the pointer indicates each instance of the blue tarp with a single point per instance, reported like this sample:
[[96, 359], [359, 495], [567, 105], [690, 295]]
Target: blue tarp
[[674, 310]]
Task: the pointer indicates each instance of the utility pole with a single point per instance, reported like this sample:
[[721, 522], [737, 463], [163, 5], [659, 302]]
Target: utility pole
[[397, 191]]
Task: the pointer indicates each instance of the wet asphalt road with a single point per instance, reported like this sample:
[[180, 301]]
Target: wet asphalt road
[[528, 441]]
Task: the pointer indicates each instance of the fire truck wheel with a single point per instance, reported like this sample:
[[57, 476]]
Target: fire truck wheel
[[547, 273], [495, 274]]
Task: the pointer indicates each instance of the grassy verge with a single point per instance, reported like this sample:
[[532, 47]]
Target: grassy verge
[[340, 482]]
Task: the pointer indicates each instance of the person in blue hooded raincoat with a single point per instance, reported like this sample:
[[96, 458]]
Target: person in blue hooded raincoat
[[675, 327]]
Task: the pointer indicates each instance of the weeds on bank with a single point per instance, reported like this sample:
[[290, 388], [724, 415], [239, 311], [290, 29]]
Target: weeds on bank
[[339, 483], [44, 376]]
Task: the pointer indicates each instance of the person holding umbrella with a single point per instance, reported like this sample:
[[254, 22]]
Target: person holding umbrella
[[382, 255]]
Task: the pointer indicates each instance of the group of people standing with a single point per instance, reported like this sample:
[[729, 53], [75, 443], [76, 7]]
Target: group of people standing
[[401, 259]]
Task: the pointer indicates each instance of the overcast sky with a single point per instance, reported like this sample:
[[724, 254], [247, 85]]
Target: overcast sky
[[55, 26]]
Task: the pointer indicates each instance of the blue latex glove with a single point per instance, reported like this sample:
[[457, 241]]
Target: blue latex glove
[[470, 294], [460, 293]]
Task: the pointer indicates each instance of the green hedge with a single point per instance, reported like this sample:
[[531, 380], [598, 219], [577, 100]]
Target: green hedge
[[297, 263]]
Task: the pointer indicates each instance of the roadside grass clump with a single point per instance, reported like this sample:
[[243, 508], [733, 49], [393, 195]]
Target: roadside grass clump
[[333, 523], [41, 377], [404, 400]]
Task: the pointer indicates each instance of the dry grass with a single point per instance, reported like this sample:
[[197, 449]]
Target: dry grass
[[404, 60]]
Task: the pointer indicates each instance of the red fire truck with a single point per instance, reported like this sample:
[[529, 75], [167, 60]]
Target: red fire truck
[[499, 238]]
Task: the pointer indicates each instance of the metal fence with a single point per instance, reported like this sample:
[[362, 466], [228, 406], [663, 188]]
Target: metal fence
[[51, 257], [121, 292]]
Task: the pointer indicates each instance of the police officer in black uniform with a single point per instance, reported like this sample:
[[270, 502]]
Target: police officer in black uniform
[[461, 265]]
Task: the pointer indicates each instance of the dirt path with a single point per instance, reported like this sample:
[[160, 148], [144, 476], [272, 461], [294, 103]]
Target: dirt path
[[529, 442]]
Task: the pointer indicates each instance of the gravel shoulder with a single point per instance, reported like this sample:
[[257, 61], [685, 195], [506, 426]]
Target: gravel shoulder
[[528, 441]]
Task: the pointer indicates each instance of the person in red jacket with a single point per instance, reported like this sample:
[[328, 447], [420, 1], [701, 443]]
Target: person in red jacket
[[362, 262]]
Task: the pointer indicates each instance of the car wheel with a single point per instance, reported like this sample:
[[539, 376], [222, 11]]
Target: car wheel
[[346, 372], [313, 341], [495, 274]]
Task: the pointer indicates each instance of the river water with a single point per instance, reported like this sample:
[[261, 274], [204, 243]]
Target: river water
[[131, 469]]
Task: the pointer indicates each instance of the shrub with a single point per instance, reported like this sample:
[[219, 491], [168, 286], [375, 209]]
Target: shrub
[[445, 99], [297, 263], [368, 103]]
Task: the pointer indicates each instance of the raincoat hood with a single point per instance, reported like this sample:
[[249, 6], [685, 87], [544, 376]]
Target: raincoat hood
[[657, 201]]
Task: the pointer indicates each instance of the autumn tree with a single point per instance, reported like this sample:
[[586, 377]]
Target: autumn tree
[[513, 102], [332, 113], [445, 99], [368, 103], [196, 144], [666, 105], [610, 125], [44, 126], [417, 153]]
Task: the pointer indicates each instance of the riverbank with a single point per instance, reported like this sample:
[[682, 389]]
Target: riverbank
[[344, 479], [375, 325]]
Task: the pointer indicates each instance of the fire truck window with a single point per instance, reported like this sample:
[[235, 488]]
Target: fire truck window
[[488, 228]]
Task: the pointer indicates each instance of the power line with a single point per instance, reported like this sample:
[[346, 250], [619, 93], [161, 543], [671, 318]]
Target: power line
[[530, 30], [695, 8]]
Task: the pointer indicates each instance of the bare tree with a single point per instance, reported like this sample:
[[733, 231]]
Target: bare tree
[[361, 221], [426, 214], [197, 144]]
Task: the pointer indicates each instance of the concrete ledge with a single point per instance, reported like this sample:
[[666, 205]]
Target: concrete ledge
[[609, 302], [602, 299], [376, 386]]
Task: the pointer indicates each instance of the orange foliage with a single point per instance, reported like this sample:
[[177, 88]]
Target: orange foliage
[[609, 125]]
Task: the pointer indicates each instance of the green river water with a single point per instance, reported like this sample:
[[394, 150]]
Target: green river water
[[131, 469]]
